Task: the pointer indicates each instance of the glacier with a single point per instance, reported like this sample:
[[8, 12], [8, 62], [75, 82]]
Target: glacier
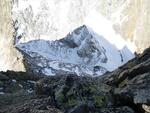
[[83, 52]]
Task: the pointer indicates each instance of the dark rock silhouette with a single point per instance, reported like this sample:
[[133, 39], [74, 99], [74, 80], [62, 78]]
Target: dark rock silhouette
[[125, 90]]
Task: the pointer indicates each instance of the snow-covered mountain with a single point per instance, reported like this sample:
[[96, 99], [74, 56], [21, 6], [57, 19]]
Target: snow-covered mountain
[[82, 51]]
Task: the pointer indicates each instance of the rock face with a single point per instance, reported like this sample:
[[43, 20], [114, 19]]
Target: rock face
[[9, 57], [133, 21], [125, 90], [82, 52], [56, 94]]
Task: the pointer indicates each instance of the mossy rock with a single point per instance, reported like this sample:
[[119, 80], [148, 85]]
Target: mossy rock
[[100, 101], [60, 97], [92, 88], [72, 101]]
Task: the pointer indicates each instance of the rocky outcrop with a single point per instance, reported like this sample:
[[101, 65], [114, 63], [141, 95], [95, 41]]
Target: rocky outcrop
[[125, 90], [56, 94], [132, 81]]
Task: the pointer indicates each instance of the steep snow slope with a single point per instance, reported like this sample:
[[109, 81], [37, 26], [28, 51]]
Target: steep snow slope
[[82, 51]]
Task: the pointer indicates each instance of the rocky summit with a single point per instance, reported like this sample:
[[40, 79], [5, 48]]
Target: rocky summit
[[125, 90]]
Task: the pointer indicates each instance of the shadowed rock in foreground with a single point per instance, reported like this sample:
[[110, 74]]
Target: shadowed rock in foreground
[[126, 90]]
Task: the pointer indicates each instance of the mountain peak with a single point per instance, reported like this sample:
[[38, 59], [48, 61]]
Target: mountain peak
[[75, 38], [82, 51]]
